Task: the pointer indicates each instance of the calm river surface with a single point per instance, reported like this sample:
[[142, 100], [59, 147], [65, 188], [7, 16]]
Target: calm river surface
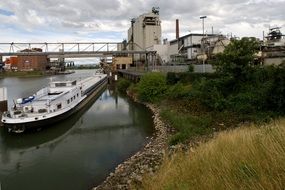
[[77, 153]]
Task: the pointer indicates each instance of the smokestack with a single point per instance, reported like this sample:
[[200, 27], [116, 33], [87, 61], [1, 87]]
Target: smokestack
[[177, 29]]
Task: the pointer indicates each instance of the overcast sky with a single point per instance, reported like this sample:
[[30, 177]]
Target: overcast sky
[[108, 20]]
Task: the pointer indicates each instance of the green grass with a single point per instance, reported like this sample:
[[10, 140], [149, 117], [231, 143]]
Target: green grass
[[187, 125], [245, 158]]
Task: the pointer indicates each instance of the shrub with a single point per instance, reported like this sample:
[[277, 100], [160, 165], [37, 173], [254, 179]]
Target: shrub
[[179, 91], [152, 87], [243, 103], [209, 93], [276, 98], [123, 85], [191, 68], [192, 77], [171, 78]]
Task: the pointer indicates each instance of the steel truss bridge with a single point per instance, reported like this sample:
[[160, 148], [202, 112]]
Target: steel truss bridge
[[74, 49]]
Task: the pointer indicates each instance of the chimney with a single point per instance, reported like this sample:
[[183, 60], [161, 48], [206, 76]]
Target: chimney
[[177, 29]]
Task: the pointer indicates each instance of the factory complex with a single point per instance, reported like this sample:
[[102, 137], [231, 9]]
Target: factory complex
[[145, 35]]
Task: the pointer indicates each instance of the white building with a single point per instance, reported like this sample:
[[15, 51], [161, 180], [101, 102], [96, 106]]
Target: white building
[[162, 51], [145, 31], [190, 46]]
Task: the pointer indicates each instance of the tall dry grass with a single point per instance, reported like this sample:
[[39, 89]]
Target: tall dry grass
[[246, 158]]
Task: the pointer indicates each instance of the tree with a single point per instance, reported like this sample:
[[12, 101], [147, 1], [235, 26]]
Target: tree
[[152, 87], [238, 58]]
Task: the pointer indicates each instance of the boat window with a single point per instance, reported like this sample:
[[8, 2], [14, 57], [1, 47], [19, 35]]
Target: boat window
[[60, 84], [74, 97], [54, 93], [68, 101], [42, 110], [58, 106], [77, 94]]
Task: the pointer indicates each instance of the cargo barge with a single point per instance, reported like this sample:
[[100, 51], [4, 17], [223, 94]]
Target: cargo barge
[[52, 104]]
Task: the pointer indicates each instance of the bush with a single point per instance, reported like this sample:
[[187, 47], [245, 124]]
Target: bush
[[190, 68], [123, 85], [192, 77], [179, 91], [276, 98], [210, 93], [152, 87], [171, 78]]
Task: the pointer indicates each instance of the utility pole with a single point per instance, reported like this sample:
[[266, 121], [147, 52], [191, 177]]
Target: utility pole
[[203, 48]]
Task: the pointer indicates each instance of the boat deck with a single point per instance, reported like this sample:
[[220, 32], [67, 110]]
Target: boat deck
[[89, 82], [54, 95]]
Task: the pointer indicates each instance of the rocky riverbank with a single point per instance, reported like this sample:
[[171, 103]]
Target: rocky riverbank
[[129, 174]]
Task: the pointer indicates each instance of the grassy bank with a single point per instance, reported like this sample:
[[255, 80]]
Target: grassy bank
[[190, 124], [22, 74], [197, 105], [245, 158]]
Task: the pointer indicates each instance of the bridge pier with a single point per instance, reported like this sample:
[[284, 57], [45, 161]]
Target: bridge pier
[[61, 60]]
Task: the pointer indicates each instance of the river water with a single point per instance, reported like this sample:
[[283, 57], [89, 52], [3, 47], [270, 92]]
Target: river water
[[77, 153]]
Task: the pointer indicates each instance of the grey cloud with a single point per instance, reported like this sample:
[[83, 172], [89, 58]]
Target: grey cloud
[[94, 15], [72, 24]]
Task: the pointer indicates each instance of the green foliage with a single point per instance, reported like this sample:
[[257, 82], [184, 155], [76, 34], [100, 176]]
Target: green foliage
[[171, 78], [190, 68], [242, 87], [238, 58], [211, 93], [188, 77], [178, 91], [186, 125], [276, 98], [123, 84], [152, 87]]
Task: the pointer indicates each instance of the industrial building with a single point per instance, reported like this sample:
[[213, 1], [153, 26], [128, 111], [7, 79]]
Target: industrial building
[[145, 31], [191, 46], [273, 49], [27, 63], [30, 63]]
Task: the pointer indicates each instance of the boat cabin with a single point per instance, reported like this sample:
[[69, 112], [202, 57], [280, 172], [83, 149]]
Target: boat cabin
[[63, 84]]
